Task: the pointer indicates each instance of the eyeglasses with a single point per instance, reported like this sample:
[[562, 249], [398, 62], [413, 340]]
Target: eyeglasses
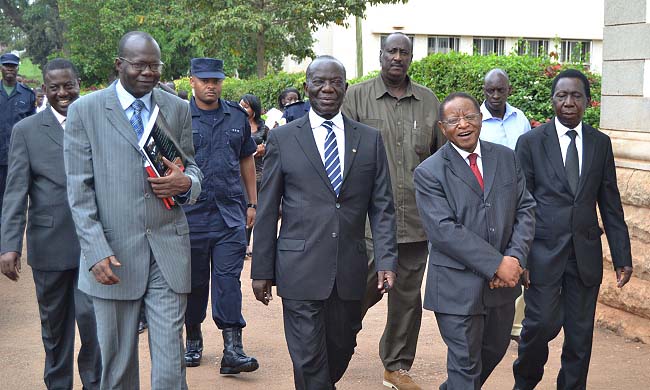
[[455, 120], [141, 66]]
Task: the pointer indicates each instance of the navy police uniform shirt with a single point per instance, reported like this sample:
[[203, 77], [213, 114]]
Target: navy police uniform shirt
[[296, 110], [221, 138], [20, 104]]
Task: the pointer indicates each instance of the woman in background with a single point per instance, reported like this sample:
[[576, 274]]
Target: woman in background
[[259, 132]]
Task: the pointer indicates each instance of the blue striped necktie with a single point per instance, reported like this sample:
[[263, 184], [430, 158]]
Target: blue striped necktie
[[136, 119], [331, 160]]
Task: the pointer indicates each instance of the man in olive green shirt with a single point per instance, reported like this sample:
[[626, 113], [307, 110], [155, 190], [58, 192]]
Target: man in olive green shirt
[[406, 115]]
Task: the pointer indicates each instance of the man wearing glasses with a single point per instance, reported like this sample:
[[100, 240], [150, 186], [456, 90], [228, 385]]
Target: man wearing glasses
[[134, 251], [480, 225]]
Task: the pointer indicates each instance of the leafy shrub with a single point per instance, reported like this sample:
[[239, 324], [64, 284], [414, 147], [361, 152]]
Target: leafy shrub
[[267, 88], [531, 79]]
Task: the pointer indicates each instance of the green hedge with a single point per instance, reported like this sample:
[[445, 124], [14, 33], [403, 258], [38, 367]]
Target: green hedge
[[267, 88], [530, 77]]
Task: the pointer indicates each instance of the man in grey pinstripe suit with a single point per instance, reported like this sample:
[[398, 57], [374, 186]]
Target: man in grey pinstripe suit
[[479, 218], [134, 250]]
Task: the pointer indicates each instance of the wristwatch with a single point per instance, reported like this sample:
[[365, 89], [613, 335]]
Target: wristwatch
[[251, 206]]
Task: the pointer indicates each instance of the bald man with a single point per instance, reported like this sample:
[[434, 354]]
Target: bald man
[[503, 124]]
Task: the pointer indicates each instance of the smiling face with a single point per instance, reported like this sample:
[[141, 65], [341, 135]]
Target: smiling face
[[61, 88], [138, 49], [466, 133], [570, 101], [395, 57], [326, 87]]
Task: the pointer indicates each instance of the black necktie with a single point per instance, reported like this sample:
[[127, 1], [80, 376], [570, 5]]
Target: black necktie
[[572, 165]]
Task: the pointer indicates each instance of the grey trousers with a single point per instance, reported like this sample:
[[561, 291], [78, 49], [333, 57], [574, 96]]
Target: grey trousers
[[475, 345], [117, 329], [399, 341], [60, 305]]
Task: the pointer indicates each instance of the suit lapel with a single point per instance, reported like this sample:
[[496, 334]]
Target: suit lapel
[[554, 154], [588, 151], [352, 138], [490, 163], [461, 169], [305, 137], [116, 116], [52, 127]]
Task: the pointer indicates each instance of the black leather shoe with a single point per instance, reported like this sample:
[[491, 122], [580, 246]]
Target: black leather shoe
[[193, 352], [234, 359], [142, 325]]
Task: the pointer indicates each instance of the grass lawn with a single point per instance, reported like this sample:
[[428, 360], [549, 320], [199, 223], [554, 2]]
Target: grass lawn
[[30, 72]]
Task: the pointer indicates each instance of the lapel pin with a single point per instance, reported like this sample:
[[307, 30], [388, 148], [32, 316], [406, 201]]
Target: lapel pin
[[354, 150]]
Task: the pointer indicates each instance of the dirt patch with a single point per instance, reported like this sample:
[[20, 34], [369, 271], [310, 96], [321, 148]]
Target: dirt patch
[[616, 363]]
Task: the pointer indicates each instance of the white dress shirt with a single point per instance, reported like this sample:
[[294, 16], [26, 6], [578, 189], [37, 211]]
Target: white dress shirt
[[126, 99], [465, 156], [320, 133], [60, 118], [565, 140]]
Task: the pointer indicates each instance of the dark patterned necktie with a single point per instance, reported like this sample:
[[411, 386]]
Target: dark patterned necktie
[[331, 160]]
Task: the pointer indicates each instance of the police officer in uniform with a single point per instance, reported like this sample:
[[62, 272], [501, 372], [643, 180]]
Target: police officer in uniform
[[16, 102], [224, 152]]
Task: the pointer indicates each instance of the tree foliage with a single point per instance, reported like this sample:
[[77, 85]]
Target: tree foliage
[[252, 35], [36, 23], [94, 29]]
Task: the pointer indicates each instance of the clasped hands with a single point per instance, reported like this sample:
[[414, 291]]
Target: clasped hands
[[509, 273]]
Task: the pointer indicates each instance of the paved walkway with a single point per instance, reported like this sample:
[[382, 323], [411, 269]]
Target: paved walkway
[[616, 363]]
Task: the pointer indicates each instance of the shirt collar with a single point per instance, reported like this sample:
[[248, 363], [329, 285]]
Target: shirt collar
[[382, 90], [316, 120], [562, 130], [126, 99], [464, 154], [488, 115], [60, 118]]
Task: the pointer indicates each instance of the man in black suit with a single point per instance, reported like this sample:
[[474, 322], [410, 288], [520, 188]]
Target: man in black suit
[[37, 182], [330, 173], [479, 219], [569, 168]]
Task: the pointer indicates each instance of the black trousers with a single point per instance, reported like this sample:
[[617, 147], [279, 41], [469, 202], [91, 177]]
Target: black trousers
[[3, 184], [321, 337], [568, 304], [61, 304]]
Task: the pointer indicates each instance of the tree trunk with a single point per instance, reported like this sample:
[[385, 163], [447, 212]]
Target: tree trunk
[[261, 52]]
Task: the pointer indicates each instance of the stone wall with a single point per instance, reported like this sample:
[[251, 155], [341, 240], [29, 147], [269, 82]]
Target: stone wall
[[627, 310], [625, 117]]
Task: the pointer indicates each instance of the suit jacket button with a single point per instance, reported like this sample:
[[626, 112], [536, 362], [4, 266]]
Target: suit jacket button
[[333, 235], [146, 195], [338, 205], [488, 205], [492, 230], [148, 231]]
